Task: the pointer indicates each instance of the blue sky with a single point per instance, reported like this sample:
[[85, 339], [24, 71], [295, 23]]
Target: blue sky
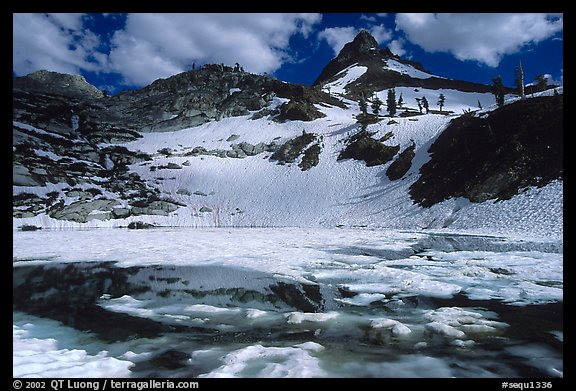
[[116, 51]]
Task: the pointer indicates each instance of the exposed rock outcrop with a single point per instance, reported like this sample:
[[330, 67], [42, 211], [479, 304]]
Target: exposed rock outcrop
[[292, 149], [67, 103], [493, 157], [57, 83], [402, 164], [362, 146]]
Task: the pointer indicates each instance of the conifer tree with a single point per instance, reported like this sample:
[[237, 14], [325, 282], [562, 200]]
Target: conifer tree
[[498, 90], [391, 102], [540, 82], [441, 101], [376, 105], [400, 102], [425, 104], [363, 105], [419, 101]]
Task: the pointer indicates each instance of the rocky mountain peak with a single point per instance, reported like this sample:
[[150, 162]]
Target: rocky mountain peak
[[57, 83], [364, 48], [363, 42], [381, 69]]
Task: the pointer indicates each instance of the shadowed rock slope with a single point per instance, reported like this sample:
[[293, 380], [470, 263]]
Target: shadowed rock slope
[[495, 156]]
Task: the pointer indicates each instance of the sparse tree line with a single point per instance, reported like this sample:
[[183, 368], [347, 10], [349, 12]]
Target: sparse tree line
[[499, 90], [393, 105]]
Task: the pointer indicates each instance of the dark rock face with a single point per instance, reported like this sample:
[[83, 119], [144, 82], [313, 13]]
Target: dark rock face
[[402, 164], [363, 147], [516, 146], [311, 157], [298, 111]]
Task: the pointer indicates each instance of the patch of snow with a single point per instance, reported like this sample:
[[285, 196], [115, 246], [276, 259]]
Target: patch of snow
[[299, 317], [270, 362], [458, 323], [38, 351], [362, 299], [396, 327], [345, 77], [75, 122], [405, 69]]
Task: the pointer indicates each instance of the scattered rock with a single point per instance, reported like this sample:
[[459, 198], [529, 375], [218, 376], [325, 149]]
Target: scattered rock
[[21, 176], [161, 208], [27, 227], [121, 213], [139, 225], [170, 166], [298, 111], [363, 147], [292, 149], [83, 211]]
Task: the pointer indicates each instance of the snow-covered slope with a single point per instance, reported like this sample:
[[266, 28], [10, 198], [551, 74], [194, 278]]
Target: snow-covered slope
[[254, 191]]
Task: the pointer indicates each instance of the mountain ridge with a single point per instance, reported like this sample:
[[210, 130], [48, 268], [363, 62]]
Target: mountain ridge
[[221, 147]]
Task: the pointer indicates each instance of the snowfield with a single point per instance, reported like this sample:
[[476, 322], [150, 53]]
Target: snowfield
[[257, 192]]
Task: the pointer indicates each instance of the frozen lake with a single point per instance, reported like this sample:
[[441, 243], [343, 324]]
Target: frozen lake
[[285, 302]]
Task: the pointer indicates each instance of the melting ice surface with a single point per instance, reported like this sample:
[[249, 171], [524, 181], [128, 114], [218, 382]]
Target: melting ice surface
[[285, 303]]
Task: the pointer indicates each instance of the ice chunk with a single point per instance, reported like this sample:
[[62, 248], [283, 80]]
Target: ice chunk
[[210, 309], [396, 327], [362, 299], [382, 323], [253, 313], [477, 328], [465, 321], [43, 357], [444, 329], [463, 344], [400, 329], [271, 362], [299, 317]]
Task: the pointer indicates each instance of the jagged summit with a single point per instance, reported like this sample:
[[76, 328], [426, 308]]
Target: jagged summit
[[363, 49], [363, 42], [363, 67]]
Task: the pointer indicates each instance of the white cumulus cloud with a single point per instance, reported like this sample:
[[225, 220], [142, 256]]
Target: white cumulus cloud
[[337, 37], [484, 37], [55, 42], [152, 46], [397, 47], [155, 46]]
